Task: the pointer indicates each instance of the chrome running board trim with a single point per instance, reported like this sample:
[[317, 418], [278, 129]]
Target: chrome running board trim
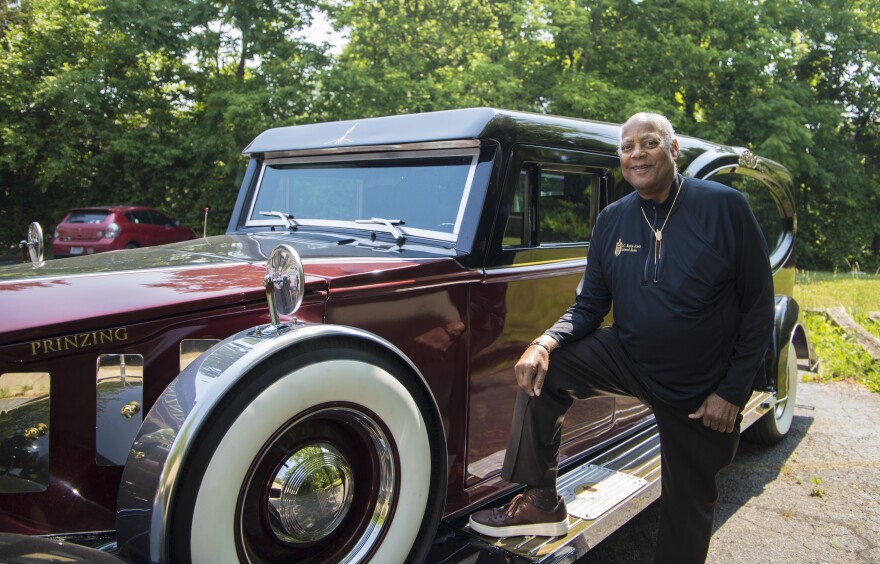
[[637, 455]]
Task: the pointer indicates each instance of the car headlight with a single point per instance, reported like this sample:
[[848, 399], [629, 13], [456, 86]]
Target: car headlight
[[110, 232]]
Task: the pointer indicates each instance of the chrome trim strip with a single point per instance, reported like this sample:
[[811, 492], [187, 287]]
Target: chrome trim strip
[[466, 195], [188, 267], [755, 408], [535, 269], [233, 261], [455, 144], [419, 232], [370, 260], [372, 156]]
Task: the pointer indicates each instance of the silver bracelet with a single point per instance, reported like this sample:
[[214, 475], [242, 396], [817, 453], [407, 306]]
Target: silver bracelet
[[539, 344]]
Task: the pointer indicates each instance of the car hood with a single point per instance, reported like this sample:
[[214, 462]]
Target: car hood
[[135, 285]]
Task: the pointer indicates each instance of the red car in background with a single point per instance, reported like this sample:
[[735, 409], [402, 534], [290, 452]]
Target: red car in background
[[86, 231]]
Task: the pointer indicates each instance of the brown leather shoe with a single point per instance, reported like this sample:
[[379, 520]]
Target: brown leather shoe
[[521, 517]]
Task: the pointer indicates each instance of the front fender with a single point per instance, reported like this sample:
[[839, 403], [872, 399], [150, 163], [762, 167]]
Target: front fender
[[173, 424]]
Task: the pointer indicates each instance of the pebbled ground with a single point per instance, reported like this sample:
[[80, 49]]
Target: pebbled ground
[[814, 498]]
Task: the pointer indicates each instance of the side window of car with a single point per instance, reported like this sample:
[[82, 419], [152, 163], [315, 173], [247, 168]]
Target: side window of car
[[564, 200], [551, 206], [138, 216], [615, 189], [516, 233], [161, 219]]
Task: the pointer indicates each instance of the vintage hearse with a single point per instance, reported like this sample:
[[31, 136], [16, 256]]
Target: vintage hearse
[[332, 379]]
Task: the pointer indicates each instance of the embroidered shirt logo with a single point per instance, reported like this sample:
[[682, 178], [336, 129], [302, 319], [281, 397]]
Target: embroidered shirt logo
[[622, 247]]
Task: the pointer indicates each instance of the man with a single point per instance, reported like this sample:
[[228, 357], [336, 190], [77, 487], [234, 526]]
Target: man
[[686, 268]]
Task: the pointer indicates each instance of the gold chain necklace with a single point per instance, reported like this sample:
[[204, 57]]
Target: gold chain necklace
[[658, 233]]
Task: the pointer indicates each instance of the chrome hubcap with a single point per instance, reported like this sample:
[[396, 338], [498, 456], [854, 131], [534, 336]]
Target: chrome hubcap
[[311, 493], [322, 489]]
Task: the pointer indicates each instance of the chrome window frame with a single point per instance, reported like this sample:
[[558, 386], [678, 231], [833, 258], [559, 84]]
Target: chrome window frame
[[473, 152]]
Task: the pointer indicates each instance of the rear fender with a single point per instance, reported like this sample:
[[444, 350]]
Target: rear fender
[[788, 330]]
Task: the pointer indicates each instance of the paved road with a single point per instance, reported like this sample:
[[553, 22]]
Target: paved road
[[814, 498]]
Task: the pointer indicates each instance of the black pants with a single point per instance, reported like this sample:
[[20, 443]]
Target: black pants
[[691, 453]]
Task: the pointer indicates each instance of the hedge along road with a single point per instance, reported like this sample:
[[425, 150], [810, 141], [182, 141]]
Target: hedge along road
[[814, 498]]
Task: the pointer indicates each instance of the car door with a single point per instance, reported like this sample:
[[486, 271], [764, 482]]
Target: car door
[[166, 230], [138, 230], [551, 201]]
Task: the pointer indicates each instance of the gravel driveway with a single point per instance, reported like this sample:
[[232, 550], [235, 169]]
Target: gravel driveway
[[814, 498]]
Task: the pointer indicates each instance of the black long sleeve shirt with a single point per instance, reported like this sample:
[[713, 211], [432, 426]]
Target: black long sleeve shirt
[[698, 319]]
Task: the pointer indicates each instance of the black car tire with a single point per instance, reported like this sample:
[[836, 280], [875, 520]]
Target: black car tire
[[774, 425], [132, 245], [346, 401]]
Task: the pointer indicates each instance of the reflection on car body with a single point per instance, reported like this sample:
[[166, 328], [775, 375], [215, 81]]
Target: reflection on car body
[[407, 262]]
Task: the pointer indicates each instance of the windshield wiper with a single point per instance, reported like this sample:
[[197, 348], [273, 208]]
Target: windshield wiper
[[283, 216], [390, 224]]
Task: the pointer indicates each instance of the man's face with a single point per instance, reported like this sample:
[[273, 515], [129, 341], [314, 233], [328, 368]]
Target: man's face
[[646, 164]]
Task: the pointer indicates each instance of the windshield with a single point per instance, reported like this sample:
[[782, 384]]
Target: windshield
[[422, 193]]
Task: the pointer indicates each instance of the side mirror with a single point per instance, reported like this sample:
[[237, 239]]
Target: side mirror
[[285, 285], [32, 247]]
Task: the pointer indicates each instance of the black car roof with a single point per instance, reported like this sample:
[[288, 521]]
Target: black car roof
[[505, 127], [471, 123]]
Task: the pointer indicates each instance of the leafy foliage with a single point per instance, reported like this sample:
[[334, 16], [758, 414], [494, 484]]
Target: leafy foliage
[[841, 357], [151, 101], [102, 104]]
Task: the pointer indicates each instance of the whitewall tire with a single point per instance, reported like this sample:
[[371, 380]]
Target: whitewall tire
[[774, 425], [321, 456]]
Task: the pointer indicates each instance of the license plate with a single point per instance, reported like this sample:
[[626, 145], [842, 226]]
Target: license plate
[[76, 250]]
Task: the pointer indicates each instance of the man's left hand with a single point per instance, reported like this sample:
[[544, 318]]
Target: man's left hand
[[717, 413]]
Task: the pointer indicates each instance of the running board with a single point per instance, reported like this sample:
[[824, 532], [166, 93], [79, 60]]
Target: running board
[[638, 457]]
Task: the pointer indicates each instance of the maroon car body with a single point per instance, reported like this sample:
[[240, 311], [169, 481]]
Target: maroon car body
[[438, 244], [85, 231]]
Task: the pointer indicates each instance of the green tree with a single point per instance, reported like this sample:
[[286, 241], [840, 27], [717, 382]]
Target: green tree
[[152, 101], [118, 101], [833, 54], [795, 81], [251, 71], [425, 55], [73, 94]]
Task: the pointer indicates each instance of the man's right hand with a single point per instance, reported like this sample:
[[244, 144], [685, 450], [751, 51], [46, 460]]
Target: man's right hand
[[532, 366]]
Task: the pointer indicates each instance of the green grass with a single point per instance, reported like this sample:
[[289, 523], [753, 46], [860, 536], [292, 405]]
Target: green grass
[[820, 290], [869, 324], [840, 357]]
